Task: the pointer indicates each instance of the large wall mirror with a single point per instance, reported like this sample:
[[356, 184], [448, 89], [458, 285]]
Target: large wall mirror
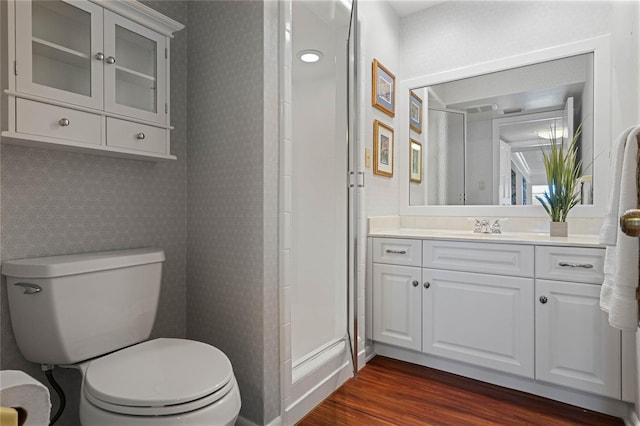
[[483, 135]]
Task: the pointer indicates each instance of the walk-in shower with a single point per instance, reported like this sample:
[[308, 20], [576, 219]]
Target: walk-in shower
[[319, 188]]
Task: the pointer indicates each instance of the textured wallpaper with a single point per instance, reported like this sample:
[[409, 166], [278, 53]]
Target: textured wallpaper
[[56, 202], [232, 199]]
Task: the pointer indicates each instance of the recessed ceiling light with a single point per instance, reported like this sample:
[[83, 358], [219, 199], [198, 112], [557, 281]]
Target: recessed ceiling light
[[552, 133], [309, 56]]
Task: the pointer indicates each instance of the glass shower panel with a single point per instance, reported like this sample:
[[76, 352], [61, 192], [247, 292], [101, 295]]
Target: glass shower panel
[[444, 168], [319, 180]]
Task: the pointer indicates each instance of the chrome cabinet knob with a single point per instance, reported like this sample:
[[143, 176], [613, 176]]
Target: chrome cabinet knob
[[543, 299], [64, 122], [111, 60], [427, 284], [415, 283], [100, 56], [140, 136]]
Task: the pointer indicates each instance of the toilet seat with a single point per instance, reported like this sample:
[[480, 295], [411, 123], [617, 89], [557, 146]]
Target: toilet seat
[[159, 377]]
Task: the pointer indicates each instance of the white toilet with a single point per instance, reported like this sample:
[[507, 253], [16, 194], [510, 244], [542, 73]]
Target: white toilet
[[91, 312]]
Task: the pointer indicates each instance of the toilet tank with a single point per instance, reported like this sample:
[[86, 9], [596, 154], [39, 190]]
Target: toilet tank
[[66, 309]]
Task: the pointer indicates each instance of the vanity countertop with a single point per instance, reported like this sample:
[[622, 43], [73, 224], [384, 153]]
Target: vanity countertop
[[577, 240]]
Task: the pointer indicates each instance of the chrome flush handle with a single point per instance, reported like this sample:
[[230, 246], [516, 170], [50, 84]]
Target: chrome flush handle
[[29, 288]]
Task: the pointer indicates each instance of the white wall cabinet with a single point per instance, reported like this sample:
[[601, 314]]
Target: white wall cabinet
[[526, 310], [108, 60], [481, 319]]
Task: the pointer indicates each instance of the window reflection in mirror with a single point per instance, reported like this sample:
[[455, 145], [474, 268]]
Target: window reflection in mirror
[[483, 136]]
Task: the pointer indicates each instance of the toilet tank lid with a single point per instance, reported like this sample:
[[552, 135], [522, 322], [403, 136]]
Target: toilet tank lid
[[59, 266]]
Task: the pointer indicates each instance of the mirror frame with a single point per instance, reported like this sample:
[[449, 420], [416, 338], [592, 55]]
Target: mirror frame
[[600, 47]]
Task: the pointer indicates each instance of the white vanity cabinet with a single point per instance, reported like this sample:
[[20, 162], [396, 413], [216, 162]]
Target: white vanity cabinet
[[397, 302], [524, 315], [575, 346], [480, 319], [98, 71], [476, 304]]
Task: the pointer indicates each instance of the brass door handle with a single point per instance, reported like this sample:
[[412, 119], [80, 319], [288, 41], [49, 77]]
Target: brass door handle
[[630, 223]]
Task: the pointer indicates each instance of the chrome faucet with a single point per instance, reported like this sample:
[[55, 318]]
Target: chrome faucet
[[483, 227]]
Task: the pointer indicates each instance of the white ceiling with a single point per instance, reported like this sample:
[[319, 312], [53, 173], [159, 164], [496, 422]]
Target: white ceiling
[[407, 7]]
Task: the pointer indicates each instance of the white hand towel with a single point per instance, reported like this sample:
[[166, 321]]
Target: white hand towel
[[609, 230], [618, 293]]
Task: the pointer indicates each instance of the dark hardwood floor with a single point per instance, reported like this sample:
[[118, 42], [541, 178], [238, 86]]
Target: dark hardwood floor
[[391, 392]]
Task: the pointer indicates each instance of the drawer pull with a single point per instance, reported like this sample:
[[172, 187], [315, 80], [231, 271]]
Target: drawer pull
[[427, 284], [64, 122], [100, 56], [576, 265], [543, 299], [415, 283], [397, 251], [111, 60], [140, 136]]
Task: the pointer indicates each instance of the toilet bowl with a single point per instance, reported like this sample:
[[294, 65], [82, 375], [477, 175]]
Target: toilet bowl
[[160, 382], [94, 312]]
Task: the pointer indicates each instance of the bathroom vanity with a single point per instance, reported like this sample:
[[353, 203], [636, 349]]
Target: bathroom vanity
[[519, 310]]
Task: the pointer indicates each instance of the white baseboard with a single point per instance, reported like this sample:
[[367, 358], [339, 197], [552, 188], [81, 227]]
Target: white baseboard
[[244, 422], [631, 419]]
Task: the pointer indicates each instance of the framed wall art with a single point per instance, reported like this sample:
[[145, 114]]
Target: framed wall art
[[415, 161], [415, 112], [383, 92], [382, 149]]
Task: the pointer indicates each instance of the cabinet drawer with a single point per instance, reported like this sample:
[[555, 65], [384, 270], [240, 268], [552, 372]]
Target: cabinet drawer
[[130, 135], [52, 121], [491, 258], [397, 251], [570, 264]]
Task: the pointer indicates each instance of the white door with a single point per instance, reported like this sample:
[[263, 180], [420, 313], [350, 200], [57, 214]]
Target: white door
[[58, 51], [567, 118], [135, 70], [485, 320], [397, 305], [575, 346], [505, 174]]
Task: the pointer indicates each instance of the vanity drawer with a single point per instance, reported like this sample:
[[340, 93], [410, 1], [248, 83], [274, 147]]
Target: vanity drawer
[[490, 258], [397, 251], [37, 118], [570, 264], [127, 134]]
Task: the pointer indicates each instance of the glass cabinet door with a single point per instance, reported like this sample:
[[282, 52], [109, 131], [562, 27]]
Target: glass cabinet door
[[58, 50], [135, 71]]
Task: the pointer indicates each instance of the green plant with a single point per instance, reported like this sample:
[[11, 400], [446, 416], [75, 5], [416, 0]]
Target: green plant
[[563, 173]]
